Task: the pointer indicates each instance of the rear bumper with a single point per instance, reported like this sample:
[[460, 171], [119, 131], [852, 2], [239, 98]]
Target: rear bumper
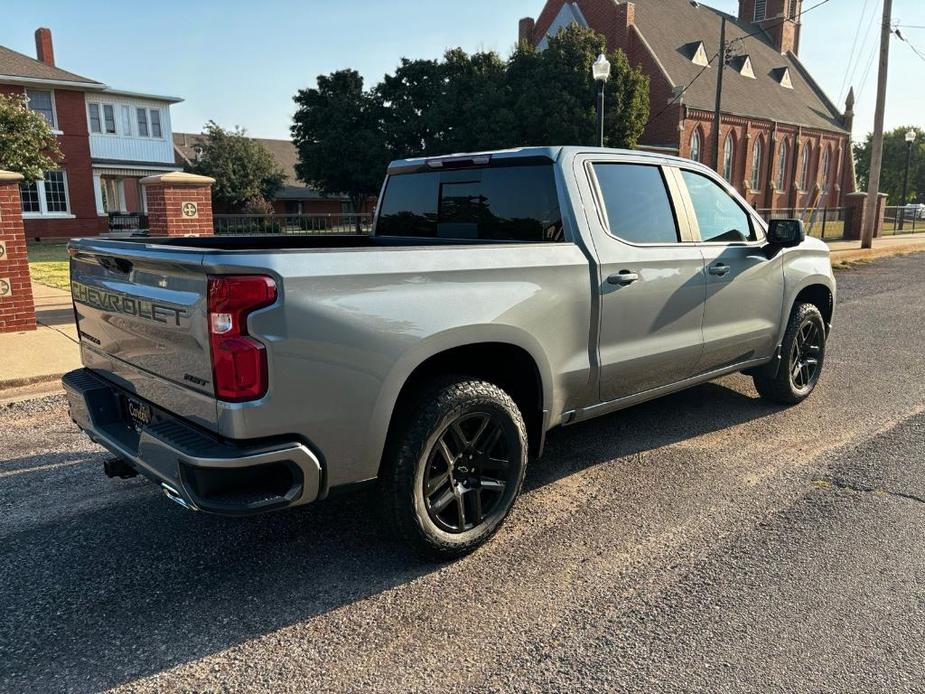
[[196, 469]]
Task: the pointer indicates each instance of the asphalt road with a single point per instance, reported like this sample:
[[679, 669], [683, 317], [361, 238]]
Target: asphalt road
[[704, 542]]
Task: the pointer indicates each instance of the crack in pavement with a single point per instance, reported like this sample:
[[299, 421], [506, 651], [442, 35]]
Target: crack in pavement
[[842, 484]]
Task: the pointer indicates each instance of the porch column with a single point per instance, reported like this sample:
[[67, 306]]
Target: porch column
[[17, 308], [179, 204]]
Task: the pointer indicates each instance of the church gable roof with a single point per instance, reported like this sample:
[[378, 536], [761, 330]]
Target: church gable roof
[[670, 27]]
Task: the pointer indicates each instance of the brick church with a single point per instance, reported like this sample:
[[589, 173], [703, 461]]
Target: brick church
[[783, 143]]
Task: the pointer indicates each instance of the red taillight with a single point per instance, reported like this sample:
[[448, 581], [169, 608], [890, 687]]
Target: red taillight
[[239, 362]]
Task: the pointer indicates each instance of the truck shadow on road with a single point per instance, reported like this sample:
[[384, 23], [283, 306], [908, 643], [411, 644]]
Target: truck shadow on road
[[99, 594]]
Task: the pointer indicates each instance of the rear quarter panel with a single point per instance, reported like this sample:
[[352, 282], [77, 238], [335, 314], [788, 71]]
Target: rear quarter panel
[[340, 347]]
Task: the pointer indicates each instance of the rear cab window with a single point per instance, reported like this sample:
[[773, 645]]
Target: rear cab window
[[499, 204]]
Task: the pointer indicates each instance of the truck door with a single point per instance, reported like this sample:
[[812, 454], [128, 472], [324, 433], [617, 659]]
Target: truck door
[[745, 283], [651, 280]]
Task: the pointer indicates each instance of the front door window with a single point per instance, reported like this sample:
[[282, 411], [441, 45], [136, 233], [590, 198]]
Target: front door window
[[721, 219]]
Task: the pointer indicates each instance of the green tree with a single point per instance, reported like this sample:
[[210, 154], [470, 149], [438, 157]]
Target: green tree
[[474, 111], [459, 104], [894, 165], [407, 100], [27, 145], [244, 171], [464, 103], [338, 131], [555, 96]]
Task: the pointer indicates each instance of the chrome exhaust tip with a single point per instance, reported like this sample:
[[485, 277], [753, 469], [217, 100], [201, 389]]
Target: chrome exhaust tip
[[176, 497]]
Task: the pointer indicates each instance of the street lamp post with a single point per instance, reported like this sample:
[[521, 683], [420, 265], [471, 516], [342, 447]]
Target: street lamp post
[[910, 138], [601, 72]]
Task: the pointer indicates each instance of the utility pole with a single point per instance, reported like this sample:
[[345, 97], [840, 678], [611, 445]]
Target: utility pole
[[718, 104], [876, 145]]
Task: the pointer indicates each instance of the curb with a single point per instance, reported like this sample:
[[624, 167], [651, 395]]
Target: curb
[[28, 381], [847, 257]]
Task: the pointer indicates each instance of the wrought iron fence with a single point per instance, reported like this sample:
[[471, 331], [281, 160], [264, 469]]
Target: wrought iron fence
[[127, 221], [827, 223], [269, 224], [903, 219]]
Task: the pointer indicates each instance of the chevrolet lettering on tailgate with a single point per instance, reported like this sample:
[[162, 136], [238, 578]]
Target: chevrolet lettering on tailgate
[[127, 305]]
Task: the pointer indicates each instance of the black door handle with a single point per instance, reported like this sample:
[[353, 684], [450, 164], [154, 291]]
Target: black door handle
[[719, 269], [623, 278]]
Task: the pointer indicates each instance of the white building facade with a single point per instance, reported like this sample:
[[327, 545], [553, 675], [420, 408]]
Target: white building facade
[[130, 138]]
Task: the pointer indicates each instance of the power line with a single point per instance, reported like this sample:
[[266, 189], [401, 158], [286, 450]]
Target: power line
[[854, 45], [681, 93], [902, 38], [870, 62]]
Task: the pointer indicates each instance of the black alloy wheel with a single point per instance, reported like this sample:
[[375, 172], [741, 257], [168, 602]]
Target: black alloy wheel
[[802, 351], [453, 466], [804, 356], [468, 470]]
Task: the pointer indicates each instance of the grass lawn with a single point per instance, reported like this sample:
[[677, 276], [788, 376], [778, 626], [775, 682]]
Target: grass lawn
[[48, 263]]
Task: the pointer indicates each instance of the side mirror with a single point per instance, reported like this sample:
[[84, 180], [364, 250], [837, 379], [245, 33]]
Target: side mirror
[[786, 232]]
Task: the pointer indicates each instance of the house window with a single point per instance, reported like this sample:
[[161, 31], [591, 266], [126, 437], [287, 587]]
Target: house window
[[40, 101], [794, 9], [142, 118], [728, 157], [45, 197], [756, 165], [55, 192], [96, 123], [29, 194], [126, 121], [782, 165], [109, 119], [804, 168], [695, 145], [155, 123], [760, 10]]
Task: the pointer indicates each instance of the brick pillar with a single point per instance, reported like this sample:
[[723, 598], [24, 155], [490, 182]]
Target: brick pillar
[[17, 308], [854, 214], [525, 29], [179, 204]]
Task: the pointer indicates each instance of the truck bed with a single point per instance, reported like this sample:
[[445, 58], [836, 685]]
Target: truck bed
[[298, 242]]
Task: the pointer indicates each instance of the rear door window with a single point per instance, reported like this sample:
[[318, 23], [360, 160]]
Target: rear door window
[[636, 203], [512, 203]]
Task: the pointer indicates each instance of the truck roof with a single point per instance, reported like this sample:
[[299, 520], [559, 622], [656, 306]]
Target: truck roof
[[507, 157]]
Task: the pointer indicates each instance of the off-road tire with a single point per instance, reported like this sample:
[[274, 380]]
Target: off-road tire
[[781, 387], [421, 423]]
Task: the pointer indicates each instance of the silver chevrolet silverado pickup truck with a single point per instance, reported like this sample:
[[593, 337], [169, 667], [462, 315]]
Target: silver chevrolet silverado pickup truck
[[501, 294]]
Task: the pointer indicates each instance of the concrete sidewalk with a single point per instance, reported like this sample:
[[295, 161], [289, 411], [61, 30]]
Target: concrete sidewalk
[[845, 252], [44, 355]]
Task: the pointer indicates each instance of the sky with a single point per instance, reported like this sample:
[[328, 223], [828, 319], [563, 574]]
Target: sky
[[239, 62]]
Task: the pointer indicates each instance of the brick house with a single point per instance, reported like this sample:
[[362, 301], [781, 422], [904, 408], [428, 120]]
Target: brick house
[[783, 143], [294, 197], [110, 140]]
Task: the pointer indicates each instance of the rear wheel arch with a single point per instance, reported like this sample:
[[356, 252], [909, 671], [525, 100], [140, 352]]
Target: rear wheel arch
[[511, 367]]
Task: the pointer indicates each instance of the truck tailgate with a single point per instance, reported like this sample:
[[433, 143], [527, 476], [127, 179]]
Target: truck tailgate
[[142, 319]]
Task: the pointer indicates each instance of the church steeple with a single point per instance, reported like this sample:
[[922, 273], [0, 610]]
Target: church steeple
[[780, 19]]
